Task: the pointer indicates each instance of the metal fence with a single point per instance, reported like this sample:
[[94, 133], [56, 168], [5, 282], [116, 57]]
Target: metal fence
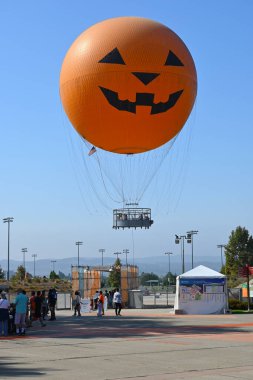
[[64, 301], [159, 297]]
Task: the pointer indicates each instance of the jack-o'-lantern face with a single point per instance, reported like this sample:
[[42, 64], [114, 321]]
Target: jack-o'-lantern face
[[128, 84]]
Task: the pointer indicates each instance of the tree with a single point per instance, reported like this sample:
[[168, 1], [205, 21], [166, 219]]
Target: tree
[[169, 279], [62, 275], [2, 274], [20, 274], [238, 251], [53, 275], [115, 275], [145, 277]]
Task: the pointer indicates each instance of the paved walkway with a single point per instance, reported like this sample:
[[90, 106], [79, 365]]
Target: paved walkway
[[142, 344]]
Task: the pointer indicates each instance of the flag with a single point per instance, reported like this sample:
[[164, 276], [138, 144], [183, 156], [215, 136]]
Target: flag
[[93, 150]]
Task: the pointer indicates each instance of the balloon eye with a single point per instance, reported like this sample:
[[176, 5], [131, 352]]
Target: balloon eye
[[113, 57], [173, 60]]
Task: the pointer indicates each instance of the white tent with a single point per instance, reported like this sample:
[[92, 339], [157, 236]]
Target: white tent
[[201, 291]]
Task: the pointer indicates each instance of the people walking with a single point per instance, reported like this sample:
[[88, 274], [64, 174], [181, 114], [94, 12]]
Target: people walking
[[4, 314], [21, 302], [117, 302], [106, 295], [38, 308], [52, 298], [77, 307], [32, 306], [95, 300], [44, 305], [100, 306]]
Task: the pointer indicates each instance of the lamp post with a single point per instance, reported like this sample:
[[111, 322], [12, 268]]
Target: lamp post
[[221, 246], [179, 239], [117, 254], [8, 220], [126, 251], [53, 262], [34, 257], [168, 253], [190, 240], [102, 251], [24, 251], [78, 243]]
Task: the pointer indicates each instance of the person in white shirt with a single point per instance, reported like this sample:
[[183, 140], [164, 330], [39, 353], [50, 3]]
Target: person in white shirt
[[4, 314], [117, 301]]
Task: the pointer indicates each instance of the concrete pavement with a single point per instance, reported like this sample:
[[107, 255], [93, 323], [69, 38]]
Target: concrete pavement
[[142, 344]]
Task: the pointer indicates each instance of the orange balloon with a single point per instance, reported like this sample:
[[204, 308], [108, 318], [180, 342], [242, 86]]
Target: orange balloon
[[128, 84]]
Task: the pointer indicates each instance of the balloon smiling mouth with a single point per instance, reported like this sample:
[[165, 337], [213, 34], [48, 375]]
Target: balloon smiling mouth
[[142, 99]]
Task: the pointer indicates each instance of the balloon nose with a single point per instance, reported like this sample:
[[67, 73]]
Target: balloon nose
[[145, 78]]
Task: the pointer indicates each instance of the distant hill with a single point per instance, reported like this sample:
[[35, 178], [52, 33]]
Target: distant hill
[[156, 264]]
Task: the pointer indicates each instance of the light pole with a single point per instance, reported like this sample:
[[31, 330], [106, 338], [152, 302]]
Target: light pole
[[102, 251], [221, 246], [78, 243], [126, 251], [53, 262], [190, 240], [169, 253], [117, 253], [179, 239], [34, 257], [24, 251], [8, 220]]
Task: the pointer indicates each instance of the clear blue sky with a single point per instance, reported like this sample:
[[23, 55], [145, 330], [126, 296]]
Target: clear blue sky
[[39, 187]]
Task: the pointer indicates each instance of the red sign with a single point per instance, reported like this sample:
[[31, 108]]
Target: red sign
[[245, 271]]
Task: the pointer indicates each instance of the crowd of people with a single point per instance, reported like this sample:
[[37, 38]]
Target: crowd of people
[[25, 311], [17, 316], [100, 302]]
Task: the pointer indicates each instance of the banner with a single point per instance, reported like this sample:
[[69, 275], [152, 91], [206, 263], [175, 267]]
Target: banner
[[85, 305]]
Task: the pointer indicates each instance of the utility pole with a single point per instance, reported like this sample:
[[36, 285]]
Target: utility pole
[[102, 251], [179, 239], [117, 253], [190, 240], [34, 257], [169, 253], [24, 251], [78, 243], [221, 246], [53, 262], [126, 251], [8, 220]]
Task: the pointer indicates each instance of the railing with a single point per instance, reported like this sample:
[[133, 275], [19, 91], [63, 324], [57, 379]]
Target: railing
[[132, 218]]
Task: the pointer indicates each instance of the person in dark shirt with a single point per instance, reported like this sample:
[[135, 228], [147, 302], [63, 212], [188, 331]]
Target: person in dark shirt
[[38, 308], [52, 298]]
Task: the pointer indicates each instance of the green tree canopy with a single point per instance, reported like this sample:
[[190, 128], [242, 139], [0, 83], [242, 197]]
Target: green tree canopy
[[62, 276], [53, 275], [146, 277], [169, 279], [20, 274], [238, 251], [114, 275]]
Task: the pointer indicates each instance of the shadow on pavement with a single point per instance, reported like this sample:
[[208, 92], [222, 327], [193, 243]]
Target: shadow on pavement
[[7, 369], [90, 326]]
